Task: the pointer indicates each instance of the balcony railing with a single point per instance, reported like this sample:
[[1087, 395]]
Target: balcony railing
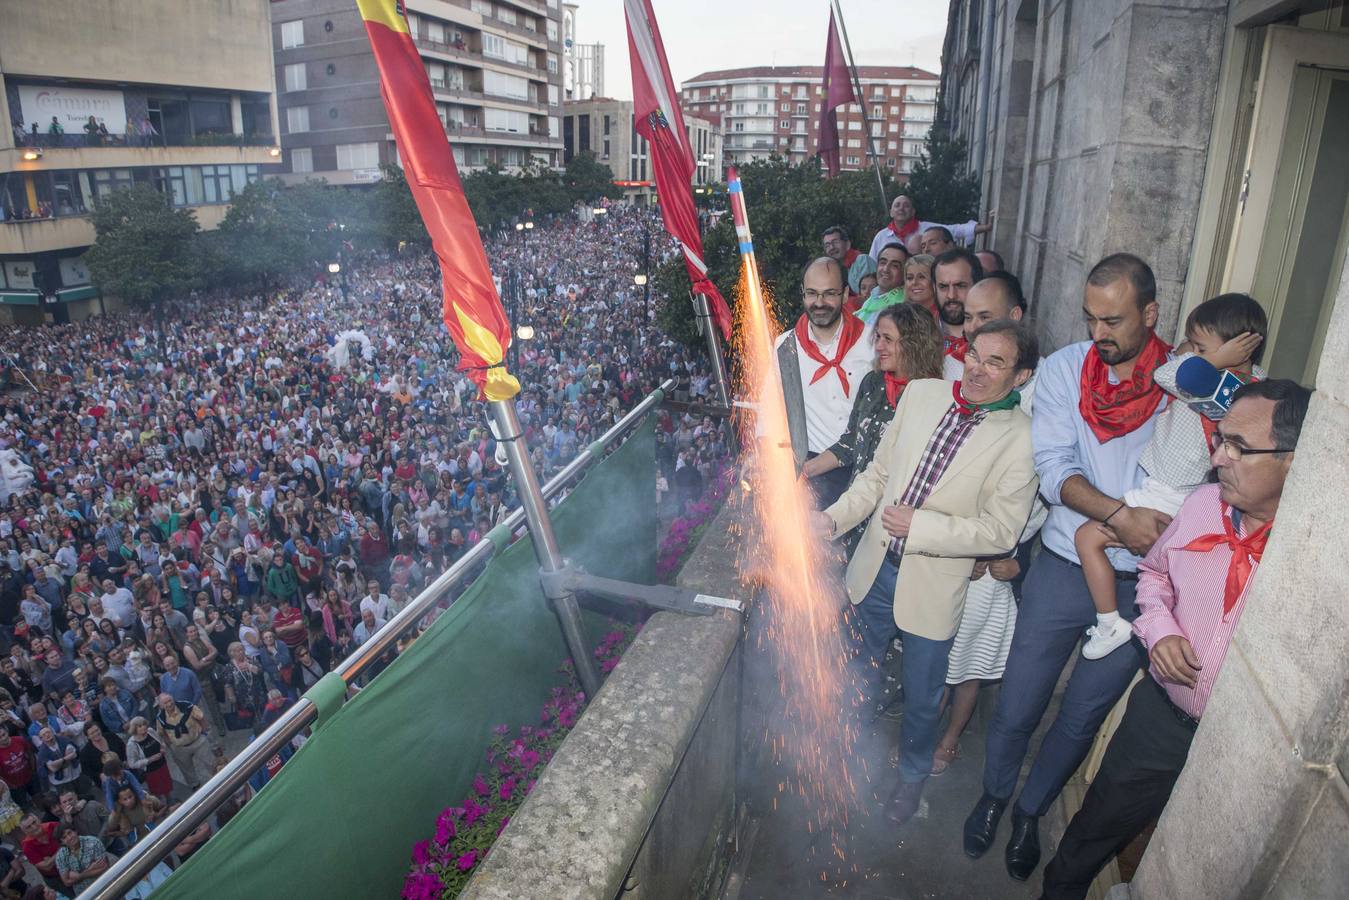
[[48, 141], [465, 52]]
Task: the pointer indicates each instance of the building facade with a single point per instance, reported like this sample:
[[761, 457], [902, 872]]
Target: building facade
[[767, 110], [603, 127], [582, 64], [495, 68], [1213, 141], [177, 94]]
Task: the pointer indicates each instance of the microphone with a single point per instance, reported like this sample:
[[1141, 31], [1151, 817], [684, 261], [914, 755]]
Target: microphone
[[1208, 390]]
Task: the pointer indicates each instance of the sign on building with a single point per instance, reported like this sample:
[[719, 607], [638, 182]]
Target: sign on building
[[72, 107], [19, 274], [73, 271]]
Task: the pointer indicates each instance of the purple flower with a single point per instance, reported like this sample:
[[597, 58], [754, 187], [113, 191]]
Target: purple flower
[[421, 853], [567, 718], [502, 729], [608, 665], [502, 826], [529, 759], [480, 786], [445, 830], [473, 813], [467, 860], [421, 886], [507, 789]]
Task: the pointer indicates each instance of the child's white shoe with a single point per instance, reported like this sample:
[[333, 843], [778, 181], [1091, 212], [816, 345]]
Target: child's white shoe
[[1105, 638]]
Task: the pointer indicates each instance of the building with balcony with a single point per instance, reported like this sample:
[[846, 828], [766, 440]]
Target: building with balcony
[[768, 110], [603, 127], [494, 66], [177, 94]]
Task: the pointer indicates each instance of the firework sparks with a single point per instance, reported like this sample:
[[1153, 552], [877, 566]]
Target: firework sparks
[[802, 602]]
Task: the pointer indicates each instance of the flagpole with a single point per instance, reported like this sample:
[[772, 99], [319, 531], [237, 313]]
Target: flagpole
[[862, 102], [702, 310]]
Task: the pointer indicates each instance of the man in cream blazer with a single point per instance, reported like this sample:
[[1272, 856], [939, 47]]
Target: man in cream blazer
[[953, 480]]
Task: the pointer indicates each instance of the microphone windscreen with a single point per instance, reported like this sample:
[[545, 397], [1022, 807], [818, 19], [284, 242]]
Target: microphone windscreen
[[1197, 378]]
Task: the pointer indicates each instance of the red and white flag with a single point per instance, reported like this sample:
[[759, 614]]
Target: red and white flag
[[838, 91], [657, 118]]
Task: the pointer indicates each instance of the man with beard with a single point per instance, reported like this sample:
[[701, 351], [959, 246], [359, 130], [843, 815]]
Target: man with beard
[[1095, 408], [953, 274], [822, 360], [905, 224]]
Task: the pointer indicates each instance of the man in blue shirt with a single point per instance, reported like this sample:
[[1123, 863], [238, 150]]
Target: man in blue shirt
[[1087, 451], [179, 683]]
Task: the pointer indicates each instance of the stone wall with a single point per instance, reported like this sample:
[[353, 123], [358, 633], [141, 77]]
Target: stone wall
[[1099, 118], [1262, 808]]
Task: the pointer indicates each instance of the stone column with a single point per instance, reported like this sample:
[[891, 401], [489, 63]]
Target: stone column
[[1262, 808]]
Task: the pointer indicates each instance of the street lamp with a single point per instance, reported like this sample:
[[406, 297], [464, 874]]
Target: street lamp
[[334, 268], [599, 210], [529, 226], [519, 226], [33, 153], [639, 279], [525, 332]]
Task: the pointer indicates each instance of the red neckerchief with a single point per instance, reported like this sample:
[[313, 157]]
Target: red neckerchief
[[894, 386], [956, 347], [1113, 410], [1244, 551], [850, 257], [966, 408], [910, 228], [851, 330]]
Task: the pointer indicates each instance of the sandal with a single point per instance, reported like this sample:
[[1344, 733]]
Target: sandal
[[942, 759]]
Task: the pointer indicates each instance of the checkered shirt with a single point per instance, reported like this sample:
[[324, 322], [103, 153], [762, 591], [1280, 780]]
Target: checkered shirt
[[951, 434]]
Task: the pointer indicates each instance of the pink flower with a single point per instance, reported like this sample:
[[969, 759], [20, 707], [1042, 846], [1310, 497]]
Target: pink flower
[[480, 786], [567, 718], [421, 886], [507, 789], [473, 813], [445, 830], [529, 759], [421, 853], [467, 860]]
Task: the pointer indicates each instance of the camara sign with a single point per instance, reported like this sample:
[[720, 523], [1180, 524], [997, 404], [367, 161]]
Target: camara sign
[[72, 107]]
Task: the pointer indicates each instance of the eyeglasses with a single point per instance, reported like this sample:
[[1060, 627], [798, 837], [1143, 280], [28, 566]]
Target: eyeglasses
[[993, 365], [812, 294], [1235, 451]]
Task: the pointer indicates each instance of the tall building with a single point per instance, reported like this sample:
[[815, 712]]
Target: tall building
[[495, 69], [582, 64], [768, 110], [1212, 140], [603, 127], [177, 94]]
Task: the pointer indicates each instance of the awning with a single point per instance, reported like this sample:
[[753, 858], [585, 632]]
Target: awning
[[20, 298], [83, 292]]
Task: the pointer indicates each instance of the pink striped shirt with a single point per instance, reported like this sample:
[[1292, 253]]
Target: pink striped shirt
[[1181, 592]]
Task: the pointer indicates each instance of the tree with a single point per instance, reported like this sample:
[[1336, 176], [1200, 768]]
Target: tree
[[264, 232], [789, 207], [588, 180], [144, 251], [941, 188]]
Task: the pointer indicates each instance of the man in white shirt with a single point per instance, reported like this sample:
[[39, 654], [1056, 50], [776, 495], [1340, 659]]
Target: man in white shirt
[[119, 604], [822, 360], [375, 601]]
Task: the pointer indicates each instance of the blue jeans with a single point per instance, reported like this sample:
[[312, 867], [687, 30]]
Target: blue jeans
[[923, 670], [1055, 611]]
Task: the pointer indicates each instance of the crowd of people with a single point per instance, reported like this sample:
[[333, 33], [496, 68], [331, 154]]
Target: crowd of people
[[1002, 513], [225, 505]]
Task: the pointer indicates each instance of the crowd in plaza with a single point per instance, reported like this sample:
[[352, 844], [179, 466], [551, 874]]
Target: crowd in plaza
[[225, 506], [1003, 513]]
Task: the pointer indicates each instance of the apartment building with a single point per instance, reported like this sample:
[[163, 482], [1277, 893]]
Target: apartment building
[[769, 110], [603, 127], [177, 94], [494, 65]]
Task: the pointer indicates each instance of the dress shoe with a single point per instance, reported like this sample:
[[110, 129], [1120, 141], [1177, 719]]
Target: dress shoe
[[1023, 848], [903, 803], [982, 825]]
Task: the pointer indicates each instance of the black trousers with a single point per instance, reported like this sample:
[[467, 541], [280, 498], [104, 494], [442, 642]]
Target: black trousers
[[1139, 770], [828, 487]]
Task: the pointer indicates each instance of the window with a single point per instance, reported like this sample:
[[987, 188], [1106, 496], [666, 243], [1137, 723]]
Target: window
[[302, 159], [435, 71], [505, 120], [894, 92], [481, 6], [554, 95], [800, 109], [784, 124], [853, 160], [854, 143], [295, 77], [297, 119], [854, 125], [554, 127], [497, 47], [890, 163], [785, 107], [435, 31], [552, 30], [606, 149], [763, 90], [552, 63], [514, 86], [894, 126], [292, 34], [739, 109], [890, 145], [414, 24], [358, 156], [215, 184], [763, 109], [507, 15]]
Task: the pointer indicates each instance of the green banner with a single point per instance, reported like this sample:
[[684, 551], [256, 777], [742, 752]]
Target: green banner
[[341, 817]]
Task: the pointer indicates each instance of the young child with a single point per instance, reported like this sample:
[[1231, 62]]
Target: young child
[[1227, 333]]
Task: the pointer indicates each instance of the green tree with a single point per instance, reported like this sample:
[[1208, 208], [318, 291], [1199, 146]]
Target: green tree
[[145, 250], [588, 180], [789, 207], [393, 211], [265, 233], [941, 187]]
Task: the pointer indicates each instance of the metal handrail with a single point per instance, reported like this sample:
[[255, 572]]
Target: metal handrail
[[143, 856]]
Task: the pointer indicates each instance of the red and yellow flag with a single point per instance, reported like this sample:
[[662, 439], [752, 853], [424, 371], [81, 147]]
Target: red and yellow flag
[[472, 309]]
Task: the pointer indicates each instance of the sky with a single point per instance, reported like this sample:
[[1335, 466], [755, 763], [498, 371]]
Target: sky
[[701, 35]]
